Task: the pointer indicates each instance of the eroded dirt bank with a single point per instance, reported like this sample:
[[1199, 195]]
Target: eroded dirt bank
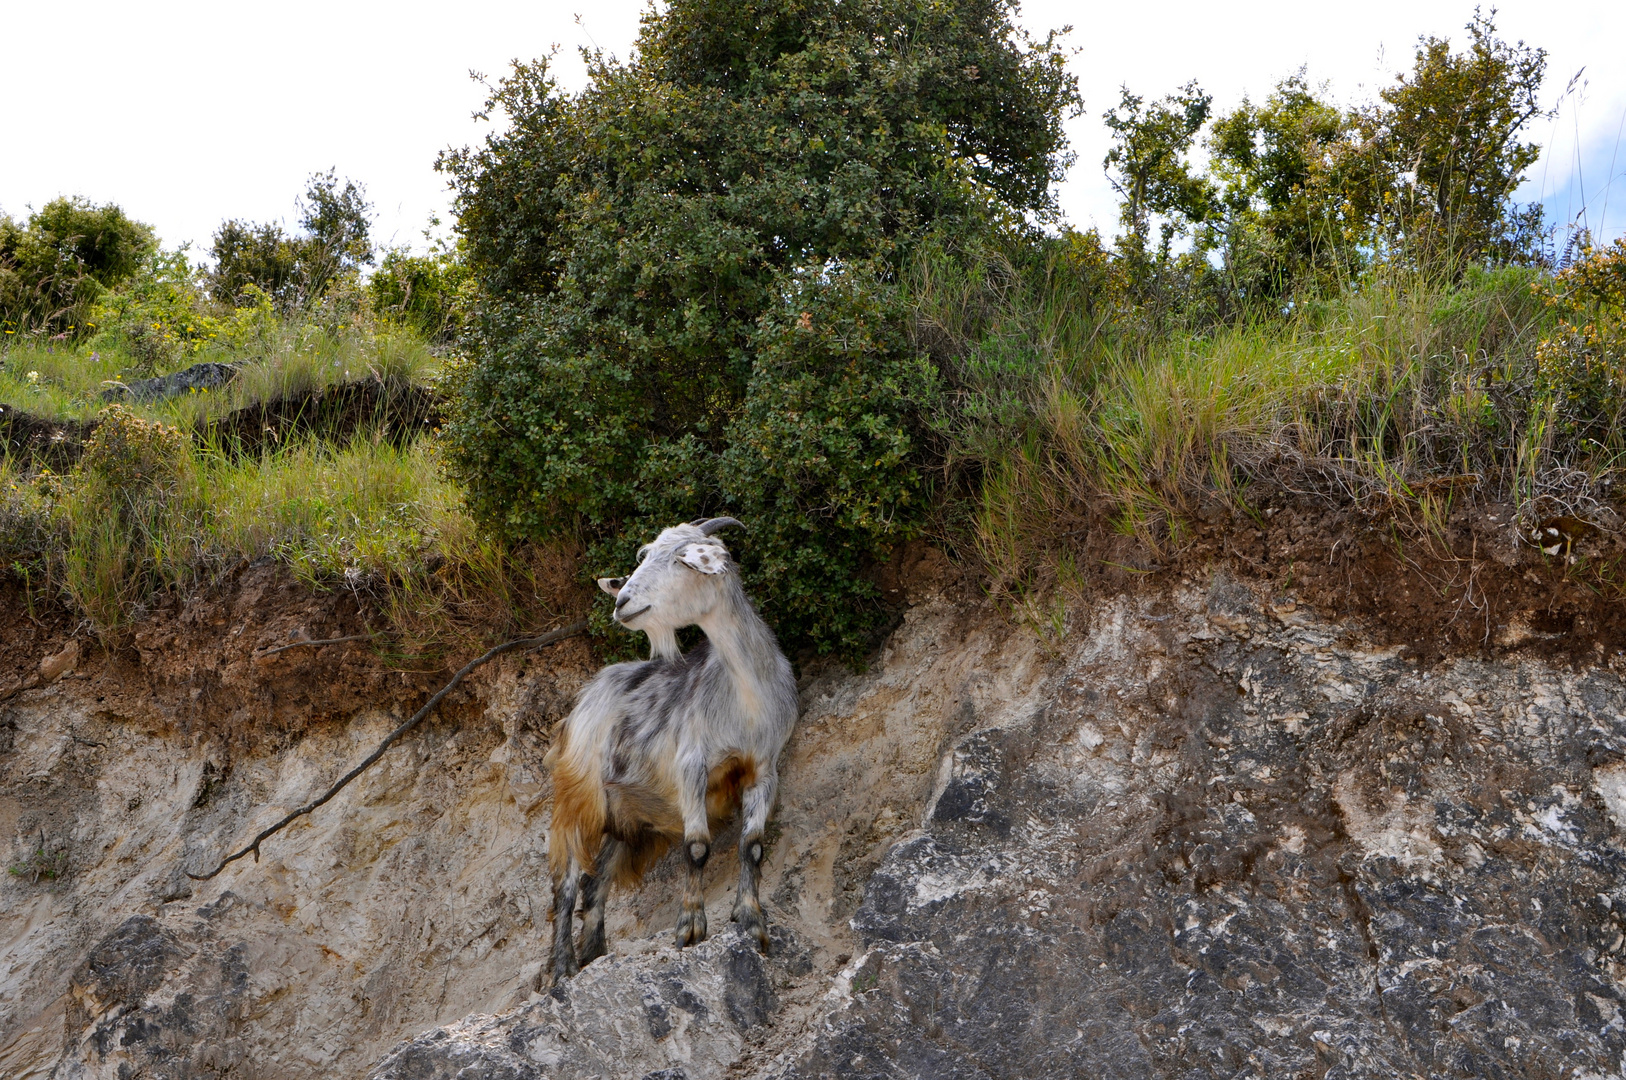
[[1224, 825]]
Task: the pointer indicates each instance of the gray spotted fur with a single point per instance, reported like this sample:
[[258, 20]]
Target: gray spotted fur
[[653, 731]]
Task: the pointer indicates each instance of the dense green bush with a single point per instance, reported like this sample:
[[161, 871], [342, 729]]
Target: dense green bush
[[689, 278], [66, 255], [1583, 361], [246, 254], [823, 453]]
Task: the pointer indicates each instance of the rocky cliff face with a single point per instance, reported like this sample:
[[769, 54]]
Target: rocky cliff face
[[1206, 832]]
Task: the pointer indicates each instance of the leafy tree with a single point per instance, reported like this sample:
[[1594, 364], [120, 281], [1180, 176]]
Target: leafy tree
[[1148, 164], [428, 291], [662, 258], [67, 254], [337, 223], [1282, 220], [295, 269], [247, 254], [1444, 154]]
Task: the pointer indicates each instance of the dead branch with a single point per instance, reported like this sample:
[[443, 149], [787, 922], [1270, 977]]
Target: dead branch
[[417, 718]]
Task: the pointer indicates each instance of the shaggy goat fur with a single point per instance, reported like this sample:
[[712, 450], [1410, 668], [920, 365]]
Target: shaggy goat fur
[[665, 750]]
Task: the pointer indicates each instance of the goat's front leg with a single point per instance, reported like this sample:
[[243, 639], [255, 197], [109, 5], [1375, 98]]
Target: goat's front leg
[[691, 925], [754, 807], [562, 964]]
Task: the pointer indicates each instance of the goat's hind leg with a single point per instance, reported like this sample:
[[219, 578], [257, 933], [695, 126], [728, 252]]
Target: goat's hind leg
[[595, 889], [562, 964], [754, 807]]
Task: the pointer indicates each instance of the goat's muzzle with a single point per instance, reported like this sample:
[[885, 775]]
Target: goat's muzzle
[[625, 619]]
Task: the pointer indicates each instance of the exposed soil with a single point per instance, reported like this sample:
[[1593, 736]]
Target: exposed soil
[[398, 411], [199, 666], [1476, 587], [56, 444], [1481, 589]]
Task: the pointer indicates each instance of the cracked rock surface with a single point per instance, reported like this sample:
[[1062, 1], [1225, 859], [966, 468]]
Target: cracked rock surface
[[1207, 832], [1223, 840], [1231, 844]]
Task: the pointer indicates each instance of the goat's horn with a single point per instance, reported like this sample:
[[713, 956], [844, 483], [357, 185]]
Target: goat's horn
[[716, 525], [699, 521]]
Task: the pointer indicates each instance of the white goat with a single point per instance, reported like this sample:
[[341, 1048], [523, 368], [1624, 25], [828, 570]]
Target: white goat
[[660, 752]]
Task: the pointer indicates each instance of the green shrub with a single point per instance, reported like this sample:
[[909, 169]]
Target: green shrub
[[161, 314], [1582, 362], [430, 292], [823, 456], [637, 248], [67, 254], [120, 499], [130, 454]]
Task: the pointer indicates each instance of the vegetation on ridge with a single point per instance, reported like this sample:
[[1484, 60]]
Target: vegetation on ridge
[[689, 279], [798, 263]]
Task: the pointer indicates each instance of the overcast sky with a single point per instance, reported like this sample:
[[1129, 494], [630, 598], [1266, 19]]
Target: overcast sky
[[186, 113]]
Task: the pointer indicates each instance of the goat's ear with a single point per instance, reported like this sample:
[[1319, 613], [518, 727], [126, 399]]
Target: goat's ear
[[611, 585], [706, 558]]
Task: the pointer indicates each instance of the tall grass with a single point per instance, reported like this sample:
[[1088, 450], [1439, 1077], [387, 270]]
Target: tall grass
[[371, 517], [1397, 395], [277, 357]]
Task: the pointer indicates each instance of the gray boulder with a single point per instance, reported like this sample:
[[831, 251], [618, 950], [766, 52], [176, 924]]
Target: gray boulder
[[198, 377]]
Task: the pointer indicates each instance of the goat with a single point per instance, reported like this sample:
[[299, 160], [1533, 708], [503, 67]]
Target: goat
[[662, 751]]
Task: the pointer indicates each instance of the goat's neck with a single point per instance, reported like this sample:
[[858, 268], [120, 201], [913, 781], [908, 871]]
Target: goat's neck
[[663, 644], [739, 637]]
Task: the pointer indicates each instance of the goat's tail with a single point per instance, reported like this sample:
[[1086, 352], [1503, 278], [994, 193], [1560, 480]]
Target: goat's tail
[[579, 814]]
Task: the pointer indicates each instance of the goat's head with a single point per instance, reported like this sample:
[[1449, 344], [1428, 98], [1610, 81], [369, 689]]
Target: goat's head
[[679, 581]]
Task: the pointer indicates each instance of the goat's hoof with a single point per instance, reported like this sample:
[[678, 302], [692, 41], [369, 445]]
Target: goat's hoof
[[752, 924], [558, 970], [691, 928]]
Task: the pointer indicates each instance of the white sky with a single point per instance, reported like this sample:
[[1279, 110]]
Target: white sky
[[186, 113]]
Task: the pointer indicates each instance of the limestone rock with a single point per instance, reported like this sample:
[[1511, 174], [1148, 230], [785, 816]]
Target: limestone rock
[[1217, 834], [198, 377], [666, 1013]]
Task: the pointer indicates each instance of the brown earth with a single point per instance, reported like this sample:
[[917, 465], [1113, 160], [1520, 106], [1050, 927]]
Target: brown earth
[[1478, 586], [56, 444], [195, 664]]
